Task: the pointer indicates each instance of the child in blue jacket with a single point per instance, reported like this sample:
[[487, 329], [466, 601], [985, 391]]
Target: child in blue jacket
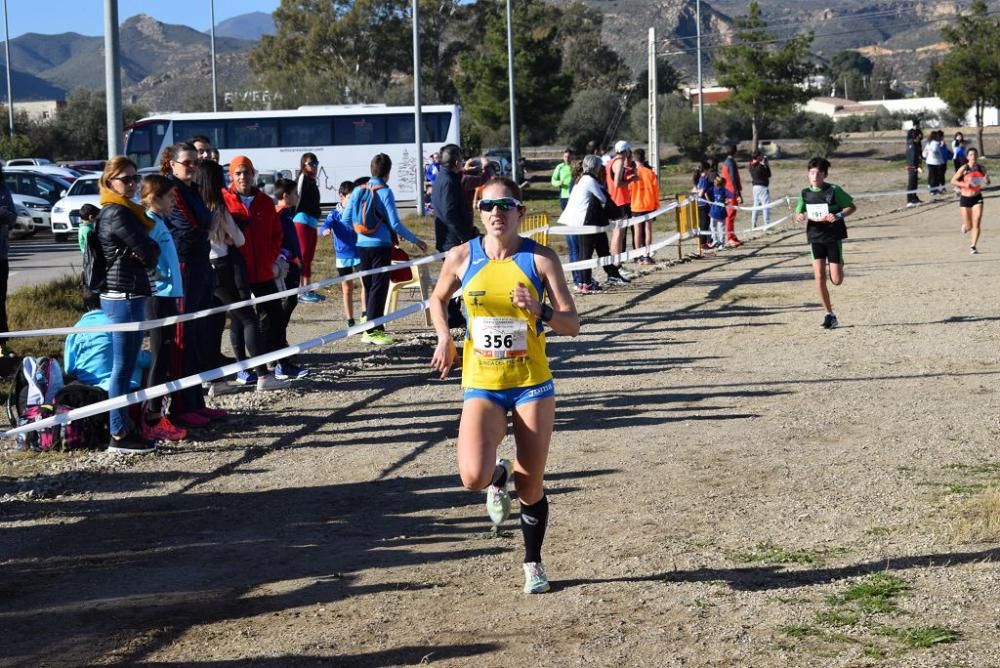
[[345, 245]]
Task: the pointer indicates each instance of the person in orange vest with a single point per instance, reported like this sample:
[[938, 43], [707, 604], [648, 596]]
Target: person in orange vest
[[645, 194], [620, 173], [731, 174]]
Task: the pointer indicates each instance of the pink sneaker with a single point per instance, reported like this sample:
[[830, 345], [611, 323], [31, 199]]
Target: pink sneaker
[[164, 430], [212, 413], [191, 419]]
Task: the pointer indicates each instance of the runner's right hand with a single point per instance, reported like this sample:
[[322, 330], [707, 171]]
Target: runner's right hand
[[444, 357]]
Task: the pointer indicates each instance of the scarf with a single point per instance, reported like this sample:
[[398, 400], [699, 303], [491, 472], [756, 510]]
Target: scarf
[[111, 197]]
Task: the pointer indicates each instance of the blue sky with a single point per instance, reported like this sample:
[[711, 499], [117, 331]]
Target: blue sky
[[87, 16]]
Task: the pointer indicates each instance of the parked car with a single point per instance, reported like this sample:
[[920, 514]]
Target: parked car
[[63, 173], [36, 208], [14, 162], [501, 159], [85, 165], [25, 224], [37, 191], [66, 212]]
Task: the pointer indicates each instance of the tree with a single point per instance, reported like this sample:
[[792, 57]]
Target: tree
[[588, 117], [541, 87], [82, 125], [334, 52], [969, 74], [765, 79]]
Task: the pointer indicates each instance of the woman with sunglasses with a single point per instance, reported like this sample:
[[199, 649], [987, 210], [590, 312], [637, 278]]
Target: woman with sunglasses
[[306, 220], [129, 251], [505, 280], [189, 222]]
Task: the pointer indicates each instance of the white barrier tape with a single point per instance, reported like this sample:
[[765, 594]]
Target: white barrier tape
[[784, 199], [621, 223], [207, 376], [144, 325]]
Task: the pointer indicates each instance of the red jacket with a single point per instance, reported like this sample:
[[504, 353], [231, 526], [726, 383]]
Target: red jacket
[[262, 228]]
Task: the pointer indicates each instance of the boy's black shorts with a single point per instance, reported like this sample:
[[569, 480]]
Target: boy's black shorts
[[344, 271], [832, 252]]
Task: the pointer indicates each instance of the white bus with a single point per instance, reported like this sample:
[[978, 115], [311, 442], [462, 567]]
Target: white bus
[[343, 137]]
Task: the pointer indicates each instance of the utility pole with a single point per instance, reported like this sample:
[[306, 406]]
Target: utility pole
[[10, 90], [654, 135], [515, 167], [417, 116], [701, 87], [112, 80], [215, 94]]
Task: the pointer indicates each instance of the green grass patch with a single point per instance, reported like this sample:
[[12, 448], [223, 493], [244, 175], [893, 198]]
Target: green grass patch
[[767, 552], [837, 617], [55, 304], [984, 468], [920, 637], [874, 594], [800, 630], [878, 532]]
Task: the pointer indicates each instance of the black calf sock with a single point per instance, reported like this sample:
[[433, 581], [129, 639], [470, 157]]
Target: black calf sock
[[534, 519], [499, 476]]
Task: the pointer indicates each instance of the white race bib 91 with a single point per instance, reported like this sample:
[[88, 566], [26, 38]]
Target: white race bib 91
[[500, 338], [817, 211]]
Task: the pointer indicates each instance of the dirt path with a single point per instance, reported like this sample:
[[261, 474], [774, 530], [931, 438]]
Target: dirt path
[[724, 473]]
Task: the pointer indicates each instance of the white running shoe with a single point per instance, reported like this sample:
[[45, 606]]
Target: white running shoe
[[498, 498], [535, 581]]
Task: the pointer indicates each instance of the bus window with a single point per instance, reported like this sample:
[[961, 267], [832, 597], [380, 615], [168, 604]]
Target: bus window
[[437, 125], [399, 129], [306, 132], [144, 141], [214, 130], [253, 133], [355, 130]]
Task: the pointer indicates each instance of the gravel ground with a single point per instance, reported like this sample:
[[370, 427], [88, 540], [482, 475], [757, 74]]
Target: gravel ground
[[723, 475]]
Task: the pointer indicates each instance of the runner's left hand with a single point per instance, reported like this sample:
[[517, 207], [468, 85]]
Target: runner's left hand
[[521, 297]]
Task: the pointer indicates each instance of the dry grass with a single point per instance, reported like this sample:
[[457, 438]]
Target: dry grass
[[55, 304], [979, 518]]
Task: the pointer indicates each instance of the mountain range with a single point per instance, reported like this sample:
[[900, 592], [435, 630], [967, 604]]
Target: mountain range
[[165, 66]]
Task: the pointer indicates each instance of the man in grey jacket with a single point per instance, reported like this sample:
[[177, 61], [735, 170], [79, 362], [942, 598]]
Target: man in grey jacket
[[452, 215]]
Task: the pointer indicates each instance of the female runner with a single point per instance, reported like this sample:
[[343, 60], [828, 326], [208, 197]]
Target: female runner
[[505, 279], [971, 177]]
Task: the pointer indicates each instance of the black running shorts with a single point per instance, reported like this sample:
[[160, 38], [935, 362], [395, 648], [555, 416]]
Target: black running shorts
[[969, 202], [832, 252]]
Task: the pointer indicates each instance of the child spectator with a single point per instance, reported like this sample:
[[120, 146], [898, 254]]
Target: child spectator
[[307, 213], [825, 206], [165, 281], [760, 177], [287, 200], [88, 214], [703, 191], [345, 245], [720, 198]]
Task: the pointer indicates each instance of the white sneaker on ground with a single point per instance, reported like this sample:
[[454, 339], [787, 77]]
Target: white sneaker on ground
[[269, 382], [535, 581], [498, 498]]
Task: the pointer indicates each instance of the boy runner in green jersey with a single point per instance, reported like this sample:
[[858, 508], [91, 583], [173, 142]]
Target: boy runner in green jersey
[[823, 207]]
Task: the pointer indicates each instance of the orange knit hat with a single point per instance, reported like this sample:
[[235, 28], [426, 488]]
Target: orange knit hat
[[237, 162]]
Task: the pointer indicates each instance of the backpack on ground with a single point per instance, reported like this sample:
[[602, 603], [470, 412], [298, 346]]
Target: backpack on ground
[[372, 212], [88, 432], [44, 377], [17, 394]]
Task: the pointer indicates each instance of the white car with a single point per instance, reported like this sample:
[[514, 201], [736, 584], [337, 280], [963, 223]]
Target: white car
[[64, 173], [25, 224], [37, 209], [66, 212], [20, 162]]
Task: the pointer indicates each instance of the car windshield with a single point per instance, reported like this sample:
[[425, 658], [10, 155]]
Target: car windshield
[[84, 187]]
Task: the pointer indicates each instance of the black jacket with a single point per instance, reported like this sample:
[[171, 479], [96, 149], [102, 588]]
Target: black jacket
[[128, 250], [309, 197], [760, 173], [189, 224], [452, 216]]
